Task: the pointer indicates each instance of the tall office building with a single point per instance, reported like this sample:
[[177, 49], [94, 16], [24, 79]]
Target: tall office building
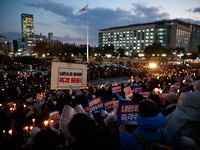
[[27, 25], [50, 36], [170, 33]]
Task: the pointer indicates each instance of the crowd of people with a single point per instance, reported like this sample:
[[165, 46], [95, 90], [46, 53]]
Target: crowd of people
[[169, 124]]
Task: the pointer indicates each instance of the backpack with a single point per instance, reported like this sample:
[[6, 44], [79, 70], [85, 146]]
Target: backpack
[[143, 142]]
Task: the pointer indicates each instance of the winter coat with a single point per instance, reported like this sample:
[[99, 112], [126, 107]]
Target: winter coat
[[37, 107], [148, 128], [185, 119]]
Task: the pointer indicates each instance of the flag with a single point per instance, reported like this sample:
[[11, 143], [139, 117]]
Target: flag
[[85, 9]]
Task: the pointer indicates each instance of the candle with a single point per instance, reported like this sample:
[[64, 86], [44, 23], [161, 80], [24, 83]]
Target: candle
[[31, 127], [26, 128], [0, 105], [4, 131], [33, 121], [24, 106], [156, 90], [178, 91], [46, 123], [10, 132], [52, 121]]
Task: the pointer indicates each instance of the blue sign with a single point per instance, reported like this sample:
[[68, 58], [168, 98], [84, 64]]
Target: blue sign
[[95, 105], [108, 105], [137, 89], [79, 93], [116, 89], [128, 112]]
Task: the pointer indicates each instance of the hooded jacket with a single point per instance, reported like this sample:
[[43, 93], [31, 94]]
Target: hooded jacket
[[37, 107], [185, 119], [148, 128]]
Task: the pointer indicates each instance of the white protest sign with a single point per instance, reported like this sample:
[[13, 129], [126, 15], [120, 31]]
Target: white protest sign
[[128, 92], [68, 76]]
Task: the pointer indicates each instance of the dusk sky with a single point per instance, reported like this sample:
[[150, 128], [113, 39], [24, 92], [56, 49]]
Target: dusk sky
[[61, 16]]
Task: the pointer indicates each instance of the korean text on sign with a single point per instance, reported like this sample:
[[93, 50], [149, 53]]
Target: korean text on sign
[[128, 112], [128, 92], [54, 115], [108, 105], [95, 105], [68, 76], [116, 89]]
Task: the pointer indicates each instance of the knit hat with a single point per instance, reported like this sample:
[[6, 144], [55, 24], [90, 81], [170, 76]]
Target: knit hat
[[171, 98]]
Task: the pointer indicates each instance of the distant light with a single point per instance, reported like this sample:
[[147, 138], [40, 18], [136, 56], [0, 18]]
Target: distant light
[[152, 65], [47, 53], [153, 54], [72, 55], [164, 55], [43, 55], [108, 55], [140, 55]]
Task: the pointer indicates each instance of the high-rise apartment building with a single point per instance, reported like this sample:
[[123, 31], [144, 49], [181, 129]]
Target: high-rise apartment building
[[170, 33], [27, 25], [50, 36]]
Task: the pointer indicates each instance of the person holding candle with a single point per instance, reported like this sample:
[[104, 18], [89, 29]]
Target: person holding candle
[[37, 107], [29, 144]]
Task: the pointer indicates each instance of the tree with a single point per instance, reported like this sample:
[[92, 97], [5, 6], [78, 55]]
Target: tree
[[154, 49], [121, 52]]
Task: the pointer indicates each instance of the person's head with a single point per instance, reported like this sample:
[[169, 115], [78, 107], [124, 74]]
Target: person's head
[[171, 98], [196, 85], [186, 143], [81, 125], [46, 139], [156, 99], [137, 97], [148, 108]]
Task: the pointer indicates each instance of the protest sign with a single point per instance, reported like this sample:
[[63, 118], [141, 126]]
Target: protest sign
[[115, 108], [59, 93], [54, 115], [162, 97], [128, 112], [177, 83], [10, 104], [68, 76], [108, 105], [128, 92], [29, 100], [137, 89], [116, 89], [183, 88], [145, 94], [95, 105], [79, 93], [40, 96], [86, 108]]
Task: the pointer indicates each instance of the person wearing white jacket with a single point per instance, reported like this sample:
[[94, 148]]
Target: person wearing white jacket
[[67, 114]]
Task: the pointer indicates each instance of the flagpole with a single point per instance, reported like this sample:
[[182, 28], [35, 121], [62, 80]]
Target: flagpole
[[87, 35]]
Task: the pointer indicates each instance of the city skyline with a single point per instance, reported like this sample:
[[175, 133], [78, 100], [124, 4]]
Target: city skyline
[[61, 17]]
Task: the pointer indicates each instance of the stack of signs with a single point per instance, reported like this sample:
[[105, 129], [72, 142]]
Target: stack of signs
[[54, 115], [128, 92], [162, 97], [108, 105], [145, 94], [137, 89], [29, 100], [128, 112], [79, 93], [116, 89], [95, 105]]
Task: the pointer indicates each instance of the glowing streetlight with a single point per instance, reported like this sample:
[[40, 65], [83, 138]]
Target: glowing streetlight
[[152, 65]]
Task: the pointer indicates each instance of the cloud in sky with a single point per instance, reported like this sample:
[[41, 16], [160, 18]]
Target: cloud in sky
[[195, 10], [71, 27]]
